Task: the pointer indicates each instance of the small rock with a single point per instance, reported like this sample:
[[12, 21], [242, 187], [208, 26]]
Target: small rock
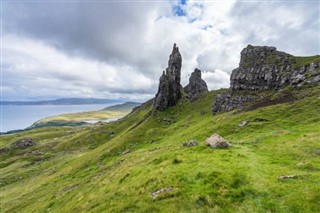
[[4, 150], [202, 112], [37, 152], [190, 143], [216, 141], [101, 164], [155, 194], [69, 188], [243, 123], [152, 141], [126, 152], [282, 177]]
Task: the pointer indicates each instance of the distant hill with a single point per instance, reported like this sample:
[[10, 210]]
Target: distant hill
[[127, 106], [62, 101]]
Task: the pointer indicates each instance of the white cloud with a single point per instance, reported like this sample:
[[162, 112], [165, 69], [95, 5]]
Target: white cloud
[[217, 79]]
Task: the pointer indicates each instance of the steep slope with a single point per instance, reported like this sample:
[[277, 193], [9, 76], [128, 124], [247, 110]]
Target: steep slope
[[91, 169]]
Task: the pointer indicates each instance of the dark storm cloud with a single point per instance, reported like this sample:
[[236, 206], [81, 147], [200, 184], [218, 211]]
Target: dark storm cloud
[[108, 31]]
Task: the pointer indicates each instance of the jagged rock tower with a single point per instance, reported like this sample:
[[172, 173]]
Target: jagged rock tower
[[169, 91], [196, 86]]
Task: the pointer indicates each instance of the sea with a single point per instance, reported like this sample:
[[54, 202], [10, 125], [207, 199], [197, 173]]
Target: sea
[[15, 117]]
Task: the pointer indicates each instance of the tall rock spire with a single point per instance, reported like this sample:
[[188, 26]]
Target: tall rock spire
[[169, 91]]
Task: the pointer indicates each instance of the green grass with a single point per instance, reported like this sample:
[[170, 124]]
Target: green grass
[[302, 60], [84, 170]]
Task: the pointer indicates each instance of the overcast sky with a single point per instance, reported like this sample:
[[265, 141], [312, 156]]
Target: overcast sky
[[118, 49]]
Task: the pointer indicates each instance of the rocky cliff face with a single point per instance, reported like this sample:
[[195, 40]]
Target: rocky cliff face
[[169, 91], [265, 68], [196, 86]]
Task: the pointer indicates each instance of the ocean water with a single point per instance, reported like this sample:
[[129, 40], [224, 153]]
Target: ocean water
[[14, 117]]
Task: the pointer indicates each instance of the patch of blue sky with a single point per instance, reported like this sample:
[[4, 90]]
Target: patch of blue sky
[[178, 9]]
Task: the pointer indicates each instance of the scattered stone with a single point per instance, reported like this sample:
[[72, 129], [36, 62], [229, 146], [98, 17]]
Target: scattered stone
[[283, 177], [168, 120], [101, 164], [155, 194], [196, 86], [169, 91], [37, 152], [302, 163], [317, 151], [202, 112], [4, 150], [23, 143], [216, 141], [69, 188], [190, 143], [126, 152], [243, 123], [152, 141]]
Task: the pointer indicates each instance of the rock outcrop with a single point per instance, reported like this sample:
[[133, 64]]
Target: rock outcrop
[[196, 85], [23, 143], [169, 91], [264, 68]]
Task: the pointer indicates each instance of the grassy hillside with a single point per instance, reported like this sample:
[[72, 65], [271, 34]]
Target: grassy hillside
[[86, 170]]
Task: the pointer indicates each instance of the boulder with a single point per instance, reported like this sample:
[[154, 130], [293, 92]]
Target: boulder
[[196, 86], [216, 141]]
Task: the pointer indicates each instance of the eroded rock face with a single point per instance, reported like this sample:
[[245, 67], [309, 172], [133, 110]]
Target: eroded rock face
[[196, 86], [264, 68], [169, 91], [227, 102]]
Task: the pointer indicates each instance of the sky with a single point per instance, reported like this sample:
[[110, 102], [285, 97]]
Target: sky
[[118, 49]]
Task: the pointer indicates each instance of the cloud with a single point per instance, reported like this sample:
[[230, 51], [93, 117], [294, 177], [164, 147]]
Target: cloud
[[217, 79], [50, 70], [119, 49]]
